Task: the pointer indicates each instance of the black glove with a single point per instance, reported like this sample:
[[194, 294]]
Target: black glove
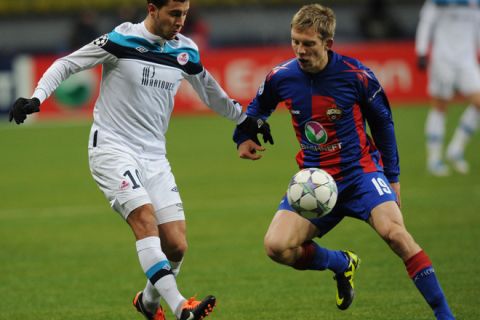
[[22, 107], [422, 63], [252, 126]]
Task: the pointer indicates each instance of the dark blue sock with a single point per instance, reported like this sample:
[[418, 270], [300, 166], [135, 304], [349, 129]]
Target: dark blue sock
[[427, 283], [334, 260]]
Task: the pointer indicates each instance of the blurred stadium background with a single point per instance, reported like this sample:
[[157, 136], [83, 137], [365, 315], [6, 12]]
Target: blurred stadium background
[[240, 41], [64, 254]]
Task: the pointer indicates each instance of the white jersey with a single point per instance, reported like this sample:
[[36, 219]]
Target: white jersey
[[140, 77], [452, 28]]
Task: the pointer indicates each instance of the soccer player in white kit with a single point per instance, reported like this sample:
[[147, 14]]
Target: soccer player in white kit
[[452, 29], [143, 66]]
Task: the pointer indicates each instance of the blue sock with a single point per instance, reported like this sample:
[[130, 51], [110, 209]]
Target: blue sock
[[334, 260], [428, 285], [420, 270], [318, 258]]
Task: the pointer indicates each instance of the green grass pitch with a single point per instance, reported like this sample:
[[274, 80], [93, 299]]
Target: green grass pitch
[[64, 254]]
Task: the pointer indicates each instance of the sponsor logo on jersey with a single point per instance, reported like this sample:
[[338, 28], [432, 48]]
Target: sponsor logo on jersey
[[334, 113], [317, 148], [183, 58], [174, 189], [149, 80], [315, 133], [101, 41]]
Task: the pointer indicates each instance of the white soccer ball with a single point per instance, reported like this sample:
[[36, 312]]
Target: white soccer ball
[[312, 193]]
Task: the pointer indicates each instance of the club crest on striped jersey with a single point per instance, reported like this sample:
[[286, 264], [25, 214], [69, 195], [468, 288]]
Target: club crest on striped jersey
[[334, 113], [183, 58], [315, 132]]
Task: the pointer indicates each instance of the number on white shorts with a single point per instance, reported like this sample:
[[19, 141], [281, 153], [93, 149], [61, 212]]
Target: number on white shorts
[[135, 184]]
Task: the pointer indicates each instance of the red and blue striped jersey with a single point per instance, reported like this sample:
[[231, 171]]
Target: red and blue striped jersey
[[330, 111]]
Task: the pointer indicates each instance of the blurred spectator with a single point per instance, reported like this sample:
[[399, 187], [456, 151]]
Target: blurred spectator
[[84, 30], [378, 23]]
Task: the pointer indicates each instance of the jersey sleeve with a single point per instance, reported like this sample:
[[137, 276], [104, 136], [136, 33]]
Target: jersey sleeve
[[86, 57], [261, 106], [378, 114], [425, 28], [214, 96]]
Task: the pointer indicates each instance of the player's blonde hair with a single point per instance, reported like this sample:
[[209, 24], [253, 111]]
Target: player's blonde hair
[[318, 17]]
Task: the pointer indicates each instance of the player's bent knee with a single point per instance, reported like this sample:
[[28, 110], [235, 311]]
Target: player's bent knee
[[277, 256], [275, 250], [269, 246]]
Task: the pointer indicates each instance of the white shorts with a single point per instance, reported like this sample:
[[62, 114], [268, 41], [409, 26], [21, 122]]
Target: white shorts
[[129, 182], [447, 79]]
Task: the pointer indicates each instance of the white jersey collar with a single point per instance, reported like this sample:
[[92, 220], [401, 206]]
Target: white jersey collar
[[150, 36]]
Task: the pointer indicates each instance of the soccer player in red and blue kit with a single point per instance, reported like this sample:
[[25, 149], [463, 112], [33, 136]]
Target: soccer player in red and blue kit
[[331, 98]]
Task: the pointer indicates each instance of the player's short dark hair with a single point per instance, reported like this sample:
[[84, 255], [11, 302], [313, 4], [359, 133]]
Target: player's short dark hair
[[161, 3]]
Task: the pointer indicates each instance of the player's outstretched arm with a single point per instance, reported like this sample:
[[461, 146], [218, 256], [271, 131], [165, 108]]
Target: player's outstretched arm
[[249, 150], [23, 107]]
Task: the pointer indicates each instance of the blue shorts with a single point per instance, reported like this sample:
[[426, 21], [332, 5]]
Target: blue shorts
[[356, 198]]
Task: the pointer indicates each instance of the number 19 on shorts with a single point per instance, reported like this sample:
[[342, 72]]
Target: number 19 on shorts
[[381, 186]]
